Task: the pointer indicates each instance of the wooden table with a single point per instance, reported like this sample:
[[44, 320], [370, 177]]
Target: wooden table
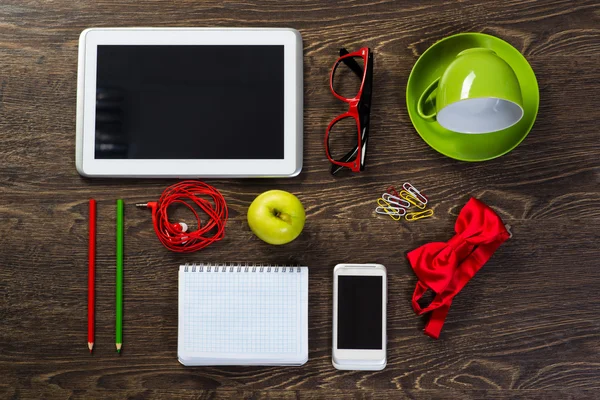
[[527, 326]]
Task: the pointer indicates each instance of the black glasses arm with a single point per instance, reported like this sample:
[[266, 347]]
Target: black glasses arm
[[351, 63], [352, 153]]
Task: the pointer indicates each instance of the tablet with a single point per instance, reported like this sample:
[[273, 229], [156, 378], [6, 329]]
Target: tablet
[[189, 102]]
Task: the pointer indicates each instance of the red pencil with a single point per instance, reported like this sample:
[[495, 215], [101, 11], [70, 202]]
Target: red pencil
[[91, 273]]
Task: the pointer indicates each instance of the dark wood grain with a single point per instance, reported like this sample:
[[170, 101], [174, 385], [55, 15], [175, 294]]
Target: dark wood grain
[[527, 326]]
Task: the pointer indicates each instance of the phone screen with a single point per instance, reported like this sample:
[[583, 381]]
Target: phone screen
[[360, 312]]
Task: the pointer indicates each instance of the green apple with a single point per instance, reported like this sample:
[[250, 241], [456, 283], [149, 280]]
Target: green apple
[[277, 217]]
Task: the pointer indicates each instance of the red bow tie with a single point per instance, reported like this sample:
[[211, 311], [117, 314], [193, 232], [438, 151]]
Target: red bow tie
[[445, 268]]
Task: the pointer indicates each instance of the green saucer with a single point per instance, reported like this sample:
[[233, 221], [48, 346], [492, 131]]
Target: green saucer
[[467, 147]]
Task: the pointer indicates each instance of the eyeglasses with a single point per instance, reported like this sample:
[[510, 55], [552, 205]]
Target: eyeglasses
[[347, 135]]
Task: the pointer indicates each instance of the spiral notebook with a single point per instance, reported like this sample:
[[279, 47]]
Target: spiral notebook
[[242, 314]]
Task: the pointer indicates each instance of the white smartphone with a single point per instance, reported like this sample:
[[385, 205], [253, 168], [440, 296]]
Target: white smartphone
[[359, 317]]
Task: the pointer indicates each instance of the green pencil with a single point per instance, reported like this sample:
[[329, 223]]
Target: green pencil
[[119, 288]]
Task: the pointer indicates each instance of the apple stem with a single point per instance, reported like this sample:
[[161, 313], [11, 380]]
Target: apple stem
[[284, 217]]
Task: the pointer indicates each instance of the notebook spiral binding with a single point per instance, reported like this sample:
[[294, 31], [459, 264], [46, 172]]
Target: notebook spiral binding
[[239, 267]]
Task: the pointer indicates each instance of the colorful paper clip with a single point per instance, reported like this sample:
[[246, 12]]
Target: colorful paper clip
[[415, 192], [392, 190], [412, 199], [396, 204], [413, 216], [396, 216], [386, 208], [395, 200]]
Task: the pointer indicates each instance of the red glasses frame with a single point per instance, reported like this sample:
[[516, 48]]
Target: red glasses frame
[[356, 164]]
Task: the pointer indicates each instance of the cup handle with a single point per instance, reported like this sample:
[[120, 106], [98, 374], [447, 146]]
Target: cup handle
[[424, 97]]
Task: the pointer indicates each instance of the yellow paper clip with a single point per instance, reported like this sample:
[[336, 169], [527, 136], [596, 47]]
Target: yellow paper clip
[[413, 216], [395, 213], [412, 199]]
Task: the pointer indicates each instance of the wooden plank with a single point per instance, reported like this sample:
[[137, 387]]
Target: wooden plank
[[511, 327], [522, 328]]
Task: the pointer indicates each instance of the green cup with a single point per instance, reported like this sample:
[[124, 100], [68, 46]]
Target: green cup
[[478, 93]]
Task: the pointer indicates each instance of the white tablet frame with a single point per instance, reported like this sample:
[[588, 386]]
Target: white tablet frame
[[289, 166]]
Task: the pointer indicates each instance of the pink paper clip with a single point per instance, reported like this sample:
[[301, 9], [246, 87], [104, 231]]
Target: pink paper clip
[[415, 192]]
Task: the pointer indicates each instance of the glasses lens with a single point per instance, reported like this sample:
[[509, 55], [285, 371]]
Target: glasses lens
[[343, 139], [347, 76]]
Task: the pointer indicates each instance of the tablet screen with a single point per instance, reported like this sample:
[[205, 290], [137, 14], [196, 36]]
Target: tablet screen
[[190, 102]]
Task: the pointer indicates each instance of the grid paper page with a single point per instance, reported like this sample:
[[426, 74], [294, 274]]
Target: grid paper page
[[244, 315]]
